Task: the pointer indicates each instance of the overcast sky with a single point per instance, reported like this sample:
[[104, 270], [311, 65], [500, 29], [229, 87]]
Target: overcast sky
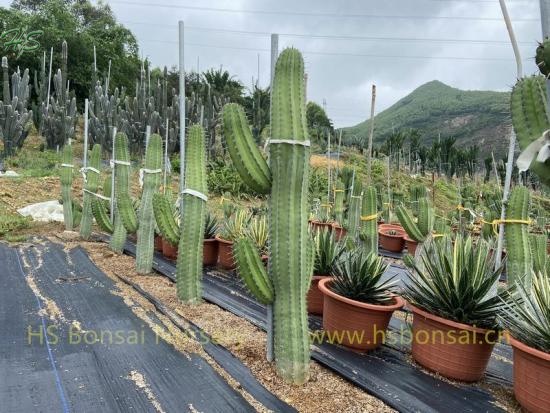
[[343, 70]]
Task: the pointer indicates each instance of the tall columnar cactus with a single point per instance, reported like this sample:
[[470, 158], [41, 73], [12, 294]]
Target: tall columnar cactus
[[66, 175], [142, 222], [105, 114], [189, 265], [15, 119], [59, 117], [101, 207], [519, 262], [420, 230], [339, 194], [354, 210], [530, 121], [541, 259], [369, 219], [291, 257], [417, 193], [90, 188]]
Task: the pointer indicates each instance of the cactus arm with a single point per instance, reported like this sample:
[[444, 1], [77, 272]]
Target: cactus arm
[[151, 184], [252, 271], [164, 217], [118, 238], [99, 212], [122, 180], [244, 153], [92, 182], [406, 220], [189, 264], [66, 174], [339, 194], [519, 261], [354, 210], [541, 261], [369, 228]]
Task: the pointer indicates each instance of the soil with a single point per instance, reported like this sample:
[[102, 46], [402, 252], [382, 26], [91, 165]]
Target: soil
[[325, 391]]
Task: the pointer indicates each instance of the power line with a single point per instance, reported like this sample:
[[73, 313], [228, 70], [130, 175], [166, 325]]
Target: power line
[[315, 14], [457, 58], [335, 37]]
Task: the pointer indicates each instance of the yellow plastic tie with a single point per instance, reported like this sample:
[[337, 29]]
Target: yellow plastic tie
[[222, 199], [339, 190], [434, 235], [368, 217], [328, 206], [497, 222]]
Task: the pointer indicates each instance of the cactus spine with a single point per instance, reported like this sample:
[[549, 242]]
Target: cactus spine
[[92, 182], [151, 184], [66, 175], [189, 265], [291, 257], [369, 219], [519, 262]]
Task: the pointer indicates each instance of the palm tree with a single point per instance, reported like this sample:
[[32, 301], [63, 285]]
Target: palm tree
[[222, 83]]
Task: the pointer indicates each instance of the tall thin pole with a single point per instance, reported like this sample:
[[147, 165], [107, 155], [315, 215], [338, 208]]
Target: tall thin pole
[[49, 80], [147, 135], [182, 111], [108, 79], [85, 134], [270, 337], [545, 22], [371, 134], [338, 153], [510, 162], [328, 163]]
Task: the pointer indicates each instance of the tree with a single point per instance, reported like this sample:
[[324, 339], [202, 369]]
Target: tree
[[318, 123], [256, 105]]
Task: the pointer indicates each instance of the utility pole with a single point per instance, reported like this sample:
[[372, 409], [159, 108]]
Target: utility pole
[[182, 111], [371, 134]]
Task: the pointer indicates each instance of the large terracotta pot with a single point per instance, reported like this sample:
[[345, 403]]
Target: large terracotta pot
[[358, 325], [316, 225], [454, 350], [393, 243], [315, 297], [158, 243], [531, 377], [339, 231], [225, 254], [398, 227], [169, 250], [210, 251], [411, 245]]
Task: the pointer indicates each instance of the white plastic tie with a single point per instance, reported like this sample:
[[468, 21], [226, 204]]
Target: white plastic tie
[[290, 142], [195, 193], [143, 171], [83, 171], [97, 195], [67, 165], [126, 163]]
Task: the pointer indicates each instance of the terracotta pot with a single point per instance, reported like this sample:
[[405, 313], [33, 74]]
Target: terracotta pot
[[158, 243], [393, 243], [411, 245], [397, 227], [359, 325], [531, 377], [316, 225], [169, 250], [225, 254], [454, 350], [210, 251], [315, 297], [339, 231]]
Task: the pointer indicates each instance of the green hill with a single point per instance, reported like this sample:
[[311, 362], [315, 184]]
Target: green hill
[[480, 117]]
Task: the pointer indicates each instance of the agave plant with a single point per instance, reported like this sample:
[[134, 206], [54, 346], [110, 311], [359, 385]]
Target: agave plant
[[258, 232], [456, 281], [526, 313], [235, 227], [358, 276], [328, 252], [210, 226]]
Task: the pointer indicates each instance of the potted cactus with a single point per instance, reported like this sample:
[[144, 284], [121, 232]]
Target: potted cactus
[[337, 225], [451, 294], [232, 229], [358, 303], [210, 243], [328, 250], [526, 316], [391, 239], [417, 232]]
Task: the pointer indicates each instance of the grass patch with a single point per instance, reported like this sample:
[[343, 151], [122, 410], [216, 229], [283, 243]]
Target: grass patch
[[34, 163], [11, 223]]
